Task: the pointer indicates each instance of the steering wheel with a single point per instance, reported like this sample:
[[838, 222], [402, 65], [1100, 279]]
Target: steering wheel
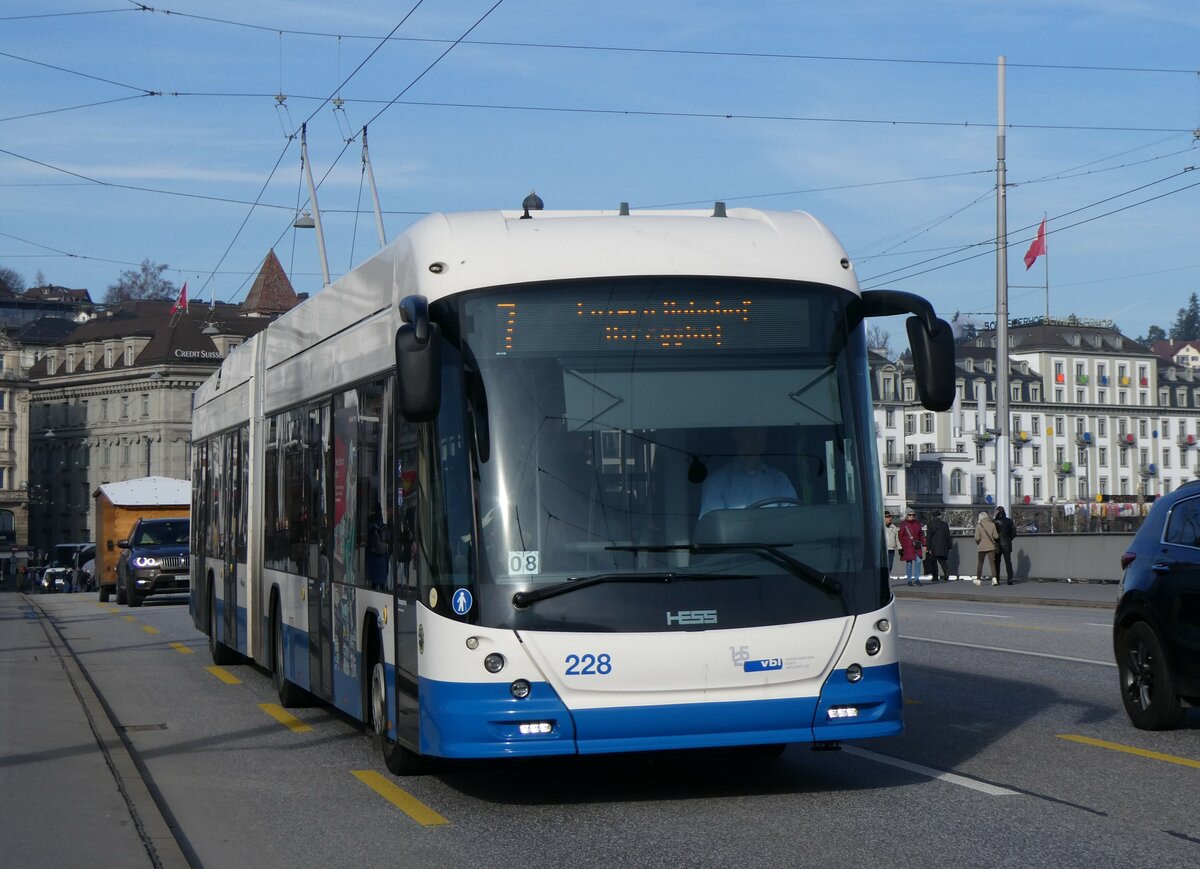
[[778, 499]]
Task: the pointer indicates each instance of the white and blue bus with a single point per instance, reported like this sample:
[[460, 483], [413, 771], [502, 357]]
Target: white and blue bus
[[564, 483]]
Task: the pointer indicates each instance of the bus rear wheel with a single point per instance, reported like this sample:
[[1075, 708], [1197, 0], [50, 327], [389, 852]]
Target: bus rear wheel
[[221, 653], [398, 759], [290, 694]]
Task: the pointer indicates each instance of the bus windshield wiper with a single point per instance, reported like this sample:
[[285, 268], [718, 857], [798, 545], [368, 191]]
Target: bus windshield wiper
[[575, 583], [769, 551]]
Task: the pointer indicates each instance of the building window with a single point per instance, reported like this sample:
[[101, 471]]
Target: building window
[[1124, 486], [1037, 455], [927, 423], [956, 481], [1102, 396], [910, 423], [1101, 427], [104, 410], [1104, 485], [1058, 395], [1060, 487], [1166, 458], [1079, 396], [1083, 489], [125, 450], [124, 407], [891, 484], [1036, 424], [145, 406], [889, 418], [1142, 427], [1018, 489], [1102, 456], [1037, 488]]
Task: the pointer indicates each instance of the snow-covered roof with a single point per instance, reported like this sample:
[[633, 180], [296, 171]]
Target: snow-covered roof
[[147, 492]]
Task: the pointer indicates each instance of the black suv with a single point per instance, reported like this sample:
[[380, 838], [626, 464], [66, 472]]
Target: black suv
[[155, 560], [1156, 631]]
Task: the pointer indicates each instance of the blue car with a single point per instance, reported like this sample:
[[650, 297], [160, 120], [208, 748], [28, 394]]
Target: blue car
[[1156, 630]]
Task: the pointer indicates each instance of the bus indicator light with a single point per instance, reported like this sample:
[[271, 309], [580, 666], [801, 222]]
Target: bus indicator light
[[843, 711], [529, 728]]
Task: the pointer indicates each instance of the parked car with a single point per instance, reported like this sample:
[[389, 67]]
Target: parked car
[[1156, 629], [154, 560]]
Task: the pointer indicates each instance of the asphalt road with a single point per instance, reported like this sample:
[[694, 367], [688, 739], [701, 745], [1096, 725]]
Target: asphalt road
[[1016, 753]]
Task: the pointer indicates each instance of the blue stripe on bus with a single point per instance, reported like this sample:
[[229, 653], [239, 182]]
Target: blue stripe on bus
[[478, 720], [295, 655]]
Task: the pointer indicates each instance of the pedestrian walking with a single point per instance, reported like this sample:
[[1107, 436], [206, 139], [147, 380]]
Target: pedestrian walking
[[891, 536], [985, 538], [912, 547], [1006, 531], [937, 535]]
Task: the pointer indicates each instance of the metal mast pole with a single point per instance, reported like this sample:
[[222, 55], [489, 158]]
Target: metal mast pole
[[1003, 482], [312, 195], [366, 157]]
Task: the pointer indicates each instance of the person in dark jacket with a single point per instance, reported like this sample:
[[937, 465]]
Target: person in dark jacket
[[1006, 531], [937, 539]]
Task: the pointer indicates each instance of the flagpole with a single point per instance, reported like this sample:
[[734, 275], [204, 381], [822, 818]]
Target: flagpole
[[1046, 269]]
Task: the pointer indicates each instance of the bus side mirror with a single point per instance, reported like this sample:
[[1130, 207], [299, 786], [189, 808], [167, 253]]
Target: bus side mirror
[[418, 361], [933, 358], [929, 338]]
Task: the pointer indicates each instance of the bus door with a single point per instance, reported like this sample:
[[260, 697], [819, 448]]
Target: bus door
[[231, 516], [315, 560]]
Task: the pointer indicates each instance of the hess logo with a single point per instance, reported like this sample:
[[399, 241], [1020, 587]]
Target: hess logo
[[692, 617]]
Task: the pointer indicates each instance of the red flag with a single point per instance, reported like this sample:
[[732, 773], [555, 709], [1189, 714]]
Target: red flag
[[1038, 248], [181, 304]]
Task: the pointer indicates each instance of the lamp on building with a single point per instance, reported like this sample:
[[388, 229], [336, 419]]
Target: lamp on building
[[49, 433], [210, 329]]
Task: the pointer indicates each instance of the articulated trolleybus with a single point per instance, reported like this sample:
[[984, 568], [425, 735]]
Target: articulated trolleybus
[[564, 483]]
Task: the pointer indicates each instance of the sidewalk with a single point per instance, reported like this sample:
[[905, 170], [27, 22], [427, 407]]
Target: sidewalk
[[1027, 591], [67, 780]]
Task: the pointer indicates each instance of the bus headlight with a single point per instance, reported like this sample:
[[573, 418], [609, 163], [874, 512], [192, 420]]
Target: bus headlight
[[494, 662], [883, 626], [520, 689], [854, 673], [873, 645]]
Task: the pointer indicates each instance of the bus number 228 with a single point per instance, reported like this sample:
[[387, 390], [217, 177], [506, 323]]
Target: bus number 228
[[589, 665]]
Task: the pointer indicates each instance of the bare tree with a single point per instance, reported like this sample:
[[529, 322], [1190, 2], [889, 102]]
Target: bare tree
[[145, 282], [877, 339], [11, 281]]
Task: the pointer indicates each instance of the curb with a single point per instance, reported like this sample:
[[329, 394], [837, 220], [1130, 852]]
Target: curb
[[162, 848], [1000, 598]]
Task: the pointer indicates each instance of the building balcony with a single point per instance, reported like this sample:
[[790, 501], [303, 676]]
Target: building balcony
[[1127, 440], [1063, 469], [1149, 470], [1104, 380], [1022, 437], [1124, 381], [1081, 379], [1143, 381], [894, 460], [1084, 438], [1187, 441], [1060, 378], [984, 437]]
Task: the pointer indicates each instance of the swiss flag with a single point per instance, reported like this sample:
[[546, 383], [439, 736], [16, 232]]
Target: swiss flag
[[181, 303], [1037, 249]]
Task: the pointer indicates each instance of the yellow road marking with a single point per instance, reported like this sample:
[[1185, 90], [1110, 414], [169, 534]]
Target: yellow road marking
[[291, 722], [908, 701], [150, 629], [181, 648], [401, 799], [1128, 749], [111, 609], [130, 618], [224, 675]]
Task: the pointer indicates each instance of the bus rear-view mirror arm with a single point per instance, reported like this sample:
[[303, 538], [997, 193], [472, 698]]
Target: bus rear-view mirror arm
[[418, 361], [929, 338]]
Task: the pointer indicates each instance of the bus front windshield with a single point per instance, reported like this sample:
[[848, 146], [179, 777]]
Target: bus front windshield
[[646, 447]]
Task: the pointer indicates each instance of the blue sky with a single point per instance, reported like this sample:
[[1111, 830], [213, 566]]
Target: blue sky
[[876, 116]]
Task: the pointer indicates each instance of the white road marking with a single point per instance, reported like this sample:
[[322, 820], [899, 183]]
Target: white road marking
[[1009, 651], [930, 772], [975, 615], [1097, 625]]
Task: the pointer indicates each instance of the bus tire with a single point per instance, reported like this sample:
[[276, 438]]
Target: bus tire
[[398, 759], [221, 653], [290, 694]]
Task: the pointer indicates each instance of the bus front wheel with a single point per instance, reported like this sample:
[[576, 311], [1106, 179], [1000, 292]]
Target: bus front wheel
[[398, 759]]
